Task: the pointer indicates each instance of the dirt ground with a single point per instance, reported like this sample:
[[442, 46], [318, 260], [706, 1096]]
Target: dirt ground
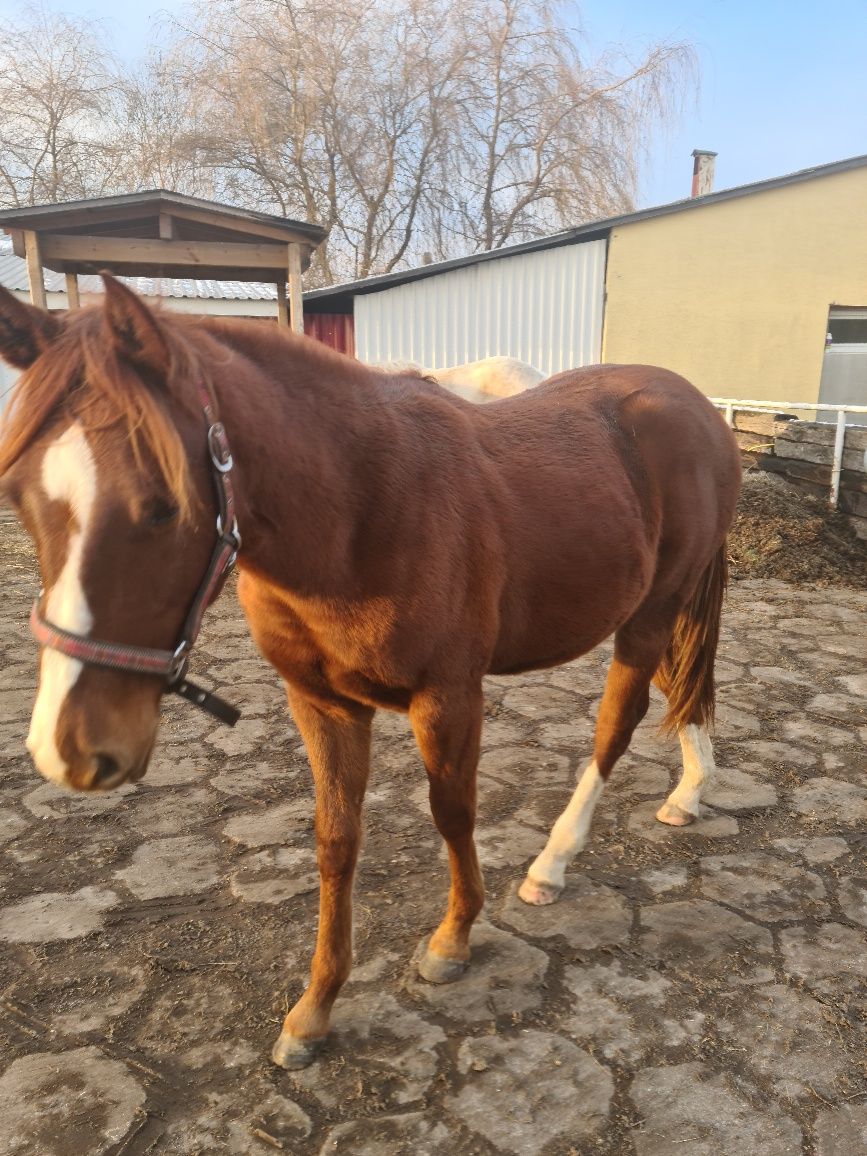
[[700, 990]]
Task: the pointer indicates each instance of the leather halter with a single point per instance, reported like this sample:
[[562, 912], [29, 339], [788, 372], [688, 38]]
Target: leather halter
[[171, 665]]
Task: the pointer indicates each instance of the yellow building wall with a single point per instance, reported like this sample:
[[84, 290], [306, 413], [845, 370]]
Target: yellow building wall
[[735, 295]]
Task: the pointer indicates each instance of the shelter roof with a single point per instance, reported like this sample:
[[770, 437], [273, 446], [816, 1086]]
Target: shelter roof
[[161, 234]]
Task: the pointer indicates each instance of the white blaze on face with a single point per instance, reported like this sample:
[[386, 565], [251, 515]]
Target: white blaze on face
[[68, 475]]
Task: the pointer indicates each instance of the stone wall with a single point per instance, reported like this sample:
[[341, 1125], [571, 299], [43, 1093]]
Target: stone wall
[[803, 453]]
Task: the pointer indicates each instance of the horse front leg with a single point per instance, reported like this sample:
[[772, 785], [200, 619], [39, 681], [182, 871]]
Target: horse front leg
[[448, 730], [338, 747]]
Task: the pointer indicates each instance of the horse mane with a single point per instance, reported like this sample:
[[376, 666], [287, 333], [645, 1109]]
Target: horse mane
[[81, 376]]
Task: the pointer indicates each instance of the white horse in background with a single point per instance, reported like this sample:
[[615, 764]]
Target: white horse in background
[[479, 381]]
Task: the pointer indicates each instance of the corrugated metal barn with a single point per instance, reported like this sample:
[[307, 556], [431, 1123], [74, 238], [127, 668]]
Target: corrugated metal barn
[[716, 287], [542, 302]]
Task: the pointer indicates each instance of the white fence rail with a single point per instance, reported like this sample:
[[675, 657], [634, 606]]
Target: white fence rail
[[730, 404]]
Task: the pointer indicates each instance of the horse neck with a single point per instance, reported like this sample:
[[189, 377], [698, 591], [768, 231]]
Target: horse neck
[[300, 425]]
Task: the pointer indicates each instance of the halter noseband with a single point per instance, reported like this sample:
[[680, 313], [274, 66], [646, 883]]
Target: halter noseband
[[171, 665]]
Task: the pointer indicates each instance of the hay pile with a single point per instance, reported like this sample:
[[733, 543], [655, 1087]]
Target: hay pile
[[780, 532]]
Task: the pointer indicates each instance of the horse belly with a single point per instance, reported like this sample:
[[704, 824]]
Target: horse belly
[[572, 599]]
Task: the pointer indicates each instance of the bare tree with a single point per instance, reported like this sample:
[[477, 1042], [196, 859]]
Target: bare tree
[[58, 90], [402, 126], [158, 131], [545, 139], [327, 110]]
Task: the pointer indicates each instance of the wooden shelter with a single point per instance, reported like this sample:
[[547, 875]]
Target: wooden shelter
[[162, 234]]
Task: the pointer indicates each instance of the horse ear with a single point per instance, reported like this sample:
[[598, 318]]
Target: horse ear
[[135, 330], [25, 331]]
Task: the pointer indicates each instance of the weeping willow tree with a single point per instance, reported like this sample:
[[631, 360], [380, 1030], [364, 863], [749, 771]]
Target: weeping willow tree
[[402, 126]]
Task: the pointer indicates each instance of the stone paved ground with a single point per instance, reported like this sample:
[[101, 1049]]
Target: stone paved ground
[[700, 990]]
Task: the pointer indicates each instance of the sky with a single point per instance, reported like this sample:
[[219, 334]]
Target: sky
[[783, 83]]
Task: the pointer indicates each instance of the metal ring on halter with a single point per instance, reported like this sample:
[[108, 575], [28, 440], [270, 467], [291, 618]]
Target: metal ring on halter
[[221, 456], [234, 534]]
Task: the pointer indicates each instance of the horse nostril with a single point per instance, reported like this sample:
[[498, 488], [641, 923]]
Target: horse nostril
[[107, 771]]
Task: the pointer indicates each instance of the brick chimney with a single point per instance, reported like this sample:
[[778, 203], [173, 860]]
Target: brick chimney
[[702, 172]]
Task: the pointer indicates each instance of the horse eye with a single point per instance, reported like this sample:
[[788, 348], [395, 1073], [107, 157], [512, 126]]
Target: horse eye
[[161, 513]]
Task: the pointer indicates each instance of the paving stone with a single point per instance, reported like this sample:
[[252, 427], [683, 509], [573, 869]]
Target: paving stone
[[11, 825], [268, 826], [524, 766], [777, 674], [856, 684], [694, 936], [54, 1104], [275, 875], [737, 791], [410, 1135], [246, 735], [828, 950], [87, 1001], [251, 780], [709, 825], [615, 1011], [778, 754], [735, 723], [541, 702], [763, 886], [666, 878], [783, 1035], [798, 730], [499, 733], [51, 802], [639, 778], [522, 1094], [831, 801], [690, 1105], [588, 914], [507, 844], [194, 1006], [846, 707], [505, 976], [841, 1131], [824, 849], [180, 865], [54, 915], [157, 812], [392, 1048], [852, 897], [225, 1122], [575, 737], [167, 769]]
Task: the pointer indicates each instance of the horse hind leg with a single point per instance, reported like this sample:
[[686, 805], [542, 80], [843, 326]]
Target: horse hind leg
[[682, 805], [624, 704], [685, 676]]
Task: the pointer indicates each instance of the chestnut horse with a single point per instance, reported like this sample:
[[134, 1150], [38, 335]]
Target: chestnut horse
[[399, 544]]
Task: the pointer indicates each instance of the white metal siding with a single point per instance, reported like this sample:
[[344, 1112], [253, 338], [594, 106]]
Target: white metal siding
[[544, 308]]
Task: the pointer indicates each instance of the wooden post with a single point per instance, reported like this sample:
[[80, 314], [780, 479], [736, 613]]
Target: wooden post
[[73, 301], [282, 307], [296, 301], [167, 227], [33, 256]]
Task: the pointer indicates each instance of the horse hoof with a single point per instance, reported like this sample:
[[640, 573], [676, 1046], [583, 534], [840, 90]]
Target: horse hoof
[[674, 816], [293, 1054], [437, 969], [538, 894]]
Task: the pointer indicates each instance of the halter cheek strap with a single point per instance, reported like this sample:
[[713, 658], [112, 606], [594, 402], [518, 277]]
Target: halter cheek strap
[[171, 665]]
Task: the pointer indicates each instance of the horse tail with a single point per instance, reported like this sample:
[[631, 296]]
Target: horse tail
[[685, 674]]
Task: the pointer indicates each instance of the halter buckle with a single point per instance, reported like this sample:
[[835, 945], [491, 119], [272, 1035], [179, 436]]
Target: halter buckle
[[180, 659]]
